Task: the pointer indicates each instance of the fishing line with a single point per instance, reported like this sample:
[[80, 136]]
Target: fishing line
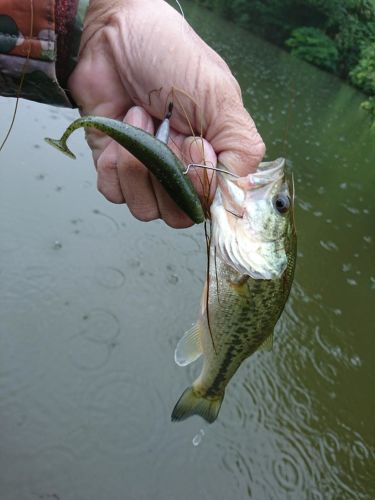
[[22, 76], [216, 169], [179, 6], [292, 92], [206, 181], [208, 244], [183, 24]]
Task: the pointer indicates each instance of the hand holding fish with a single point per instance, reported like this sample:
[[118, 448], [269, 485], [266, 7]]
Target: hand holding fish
[[133, 54]]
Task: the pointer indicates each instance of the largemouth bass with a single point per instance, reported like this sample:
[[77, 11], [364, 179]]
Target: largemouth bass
[[251, 266]]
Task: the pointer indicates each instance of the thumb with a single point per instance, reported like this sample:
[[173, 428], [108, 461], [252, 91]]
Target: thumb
[[236, 140]]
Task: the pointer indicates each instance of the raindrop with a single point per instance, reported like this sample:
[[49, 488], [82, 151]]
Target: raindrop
[[356, 361], [351, 282], [173, 279], [328, 245], [57, 245], [352, 210], [305, 205], [197, 439]]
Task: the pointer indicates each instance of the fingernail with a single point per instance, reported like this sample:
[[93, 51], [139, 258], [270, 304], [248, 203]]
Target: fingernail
[[138, 118]]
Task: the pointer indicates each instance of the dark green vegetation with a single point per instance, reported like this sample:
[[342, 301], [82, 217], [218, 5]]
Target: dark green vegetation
[[335, 35]]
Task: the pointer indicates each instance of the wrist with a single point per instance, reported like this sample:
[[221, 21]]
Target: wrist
[[65, 12], [102, 13], [99, 14], [69, 16]]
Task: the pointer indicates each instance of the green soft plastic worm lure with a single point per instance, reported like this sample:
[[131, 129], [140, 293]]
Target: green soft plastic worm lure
[[151, 151]]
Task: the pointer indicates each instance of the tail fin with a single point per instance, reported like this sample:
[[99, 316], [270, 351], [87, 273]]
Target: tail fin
[[191, 403], [58, 144]]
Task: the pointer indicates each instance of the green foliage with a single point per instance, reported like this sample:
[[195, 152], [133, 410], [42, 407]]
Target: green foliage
[[314, 46], [363, 74], [363, 77], [369, 106]]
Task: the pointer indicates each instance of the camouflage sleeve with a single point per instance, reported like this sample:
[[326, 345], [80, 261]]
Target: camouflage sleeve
[[39, 42]]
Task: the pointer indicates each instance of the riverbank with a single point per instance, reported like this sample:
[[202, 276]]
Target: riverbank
[[336, 36]]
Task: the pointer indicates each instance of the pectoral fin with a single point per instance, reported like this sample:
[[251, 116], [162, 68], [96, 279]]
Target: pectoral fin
[[189, 348]]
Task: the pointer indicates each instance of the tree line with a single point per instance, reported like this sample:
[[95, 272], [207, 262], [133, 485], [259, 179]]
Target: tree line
[[335, 35]]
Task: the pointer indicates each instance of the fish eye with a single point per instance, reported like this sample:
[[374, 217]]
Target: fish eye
[[282, 203]]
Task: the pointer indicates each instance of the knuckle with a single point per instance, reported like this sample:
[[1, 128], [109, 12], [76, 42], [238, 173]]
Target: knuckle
[[258, 149], [144, 214], [107, 165], [113, 195]]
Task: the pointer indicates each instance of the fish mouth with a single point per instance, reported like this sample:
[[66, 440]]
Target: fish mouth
[[268, 173], [268, 177]]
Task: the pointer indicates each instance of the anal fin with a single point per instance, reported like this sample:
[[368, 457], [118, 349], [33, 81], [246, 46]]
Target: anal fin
[[267, 344]]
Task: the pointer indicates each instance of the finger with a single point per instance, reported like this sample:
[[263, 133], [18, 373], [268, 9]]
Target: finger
[[198, 153], [108, 182], [192, 151], [134, 178], [231, 130]]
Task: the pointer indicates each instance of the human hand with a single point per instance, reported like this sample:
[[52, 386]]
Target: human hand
[[133, 54]]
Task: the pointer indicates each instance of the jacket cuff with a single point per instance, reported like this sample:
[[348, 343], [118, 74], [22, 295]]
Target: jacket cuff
[[69, 15], [30, 47]]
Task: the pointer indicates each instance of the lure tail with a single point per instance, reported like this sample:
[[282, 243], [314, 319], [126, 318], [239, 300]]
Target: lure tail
[[191, 403], [61, 146]]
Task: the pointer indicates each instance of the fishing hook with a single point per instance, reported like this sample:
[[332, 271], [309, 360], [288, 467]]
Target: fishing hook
[[216, 169]]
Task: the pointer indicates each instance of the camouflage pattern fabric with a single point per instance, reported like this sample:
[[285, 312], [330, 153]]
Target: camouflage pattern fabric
[[28, 46]]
